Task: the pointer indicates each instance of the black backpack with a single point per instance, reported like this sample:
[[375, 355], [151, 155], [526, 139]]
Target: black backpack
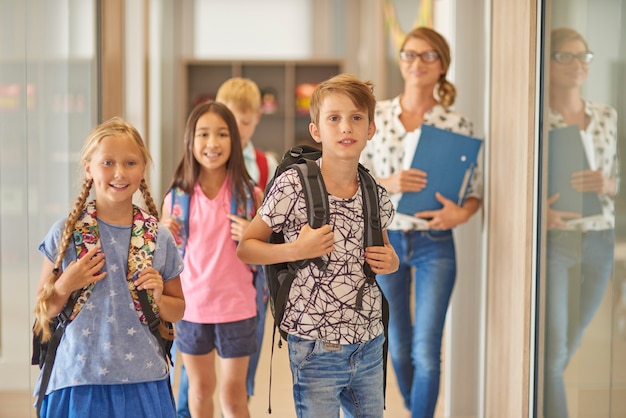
[[280, 276]]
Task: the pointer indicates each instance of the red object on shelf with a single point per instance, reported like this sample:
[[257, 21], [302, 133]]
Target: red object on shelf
[[304, 91]]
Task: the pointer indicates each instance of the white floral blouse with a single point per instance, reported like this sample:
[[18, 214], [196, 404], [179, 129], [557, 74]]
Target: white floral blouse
[[386, 153]]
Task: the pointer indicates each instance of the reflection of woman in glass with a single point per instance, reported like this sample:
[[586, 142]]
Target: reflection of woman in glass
[[579, 254]]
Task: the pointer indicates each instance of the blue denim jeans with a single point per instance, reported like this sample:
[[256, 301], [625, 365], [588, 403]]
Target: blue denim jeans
[[327, 379], [578, 268], [261, 303], [428, 259]]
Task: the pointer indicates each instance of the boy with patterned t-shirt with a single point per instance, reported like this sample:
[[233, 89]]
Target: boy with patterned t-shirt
[[335, 349]]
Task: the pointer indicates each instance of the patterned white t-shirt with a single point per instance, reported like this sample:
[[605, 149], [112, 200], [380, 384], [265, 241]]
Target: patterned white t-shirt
[[106, 343], [321, 304]]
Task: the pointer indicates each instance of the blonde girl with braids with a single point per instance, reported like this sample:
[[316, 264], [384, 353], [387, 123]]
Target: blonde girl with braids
[[108, 363], [424, 241], [220, 319]]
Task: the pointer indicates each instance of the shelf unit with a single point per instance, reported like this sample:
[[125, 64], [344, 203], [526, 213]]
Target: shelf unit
[[286, 126]]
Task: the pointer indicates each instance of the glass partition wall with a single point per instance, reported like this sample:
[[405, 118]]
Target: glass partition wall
[[48, 92], [584, 211]]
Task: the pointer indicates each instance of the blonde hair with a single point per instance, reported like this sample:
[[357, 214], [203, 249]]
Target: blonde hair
[[445, 89], [360, 92], [241, 94], [115, 126]]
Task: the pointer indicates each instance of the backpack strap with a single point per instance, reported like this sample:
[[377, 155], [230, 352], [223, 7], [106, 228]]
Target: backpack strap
[[261, 162], [373, 236], [317, 207], [46, 362], [179, 211], [154, 323], [238, 210], [372, 230], [314, 192]]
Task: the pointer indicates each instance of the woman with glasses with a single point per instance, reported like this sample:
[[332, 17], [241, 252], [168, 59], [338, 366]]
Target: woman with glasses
[[579, 260], [423, 242]]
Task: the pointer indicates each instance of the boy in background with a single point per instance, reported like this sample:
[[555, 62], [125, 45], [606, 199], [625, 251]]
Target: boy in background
[[243, 97], [335, 348]]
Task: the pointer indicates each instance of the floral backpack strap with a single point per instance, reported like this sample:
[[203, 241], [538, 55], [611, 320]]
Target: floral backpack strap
[[86, 236], [140, 252], [142, 245]]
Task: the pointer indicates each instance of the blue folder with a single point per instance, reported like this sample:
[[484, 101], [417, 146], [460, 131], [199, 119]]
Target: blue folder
[[449, 159], [566, 155]]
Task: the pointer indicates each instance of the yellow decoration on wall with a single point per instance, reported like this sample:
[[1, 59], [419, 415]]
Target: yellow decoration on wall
[[396, 34]]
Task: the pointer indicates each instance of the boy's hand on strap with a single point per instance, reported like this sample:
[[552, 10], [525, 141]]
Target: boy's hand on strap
[[150, 279], [382, 260], [81, 273], [314, 243]]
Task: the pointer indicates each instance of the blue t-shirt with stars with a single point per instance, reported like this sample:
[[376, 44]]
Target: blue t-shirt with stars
[[106, 343]]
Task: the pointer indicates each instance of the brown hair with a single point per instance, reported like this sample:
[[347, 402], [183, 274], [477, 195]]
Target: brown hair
[[560, 36], [360, 92], [241, 94], [115, 126], [188, 169], [445, 90]]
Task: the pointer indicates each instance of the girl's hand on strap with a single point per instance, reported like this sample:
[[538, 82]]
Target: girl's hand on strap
[[238, 226], [150, 279], [81, 273], [173, 226]]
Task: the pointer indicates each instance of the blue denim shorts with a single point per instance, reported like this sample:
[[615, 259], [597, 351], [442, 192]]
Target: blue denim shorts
[[231, 339]]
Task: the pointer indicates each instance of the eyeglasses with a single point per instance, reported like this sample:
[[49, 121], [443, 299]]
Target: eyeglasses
[[568, 58], [426, 56]]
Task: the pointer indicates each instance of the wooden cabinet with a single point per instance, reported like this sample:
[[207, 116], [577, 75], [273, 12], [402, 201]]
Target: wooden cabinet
[[288, 123]]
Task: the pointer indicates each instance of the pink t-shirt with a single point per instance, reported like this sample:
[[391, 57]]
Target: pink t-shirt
[[217, 286]]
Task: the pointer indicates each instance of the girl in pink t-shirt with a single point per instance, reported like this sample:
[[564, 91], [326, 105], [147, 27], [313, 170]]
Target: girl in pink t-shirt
[[220, 314]]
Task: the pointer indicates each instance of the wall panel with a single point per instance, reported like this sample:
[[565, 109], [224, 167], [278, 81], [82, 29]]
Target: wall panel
[[510, 208]]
